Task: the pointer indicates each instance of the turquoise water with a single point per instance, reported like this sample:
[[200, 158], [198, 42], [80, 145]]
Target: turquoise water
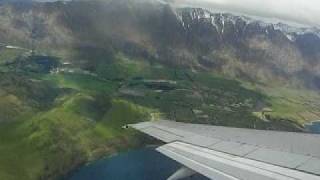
[[314, 127], [143, 164]]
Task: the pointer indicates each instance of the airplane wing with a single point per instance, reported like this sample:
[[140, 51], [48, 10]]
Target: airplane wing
[[224, 153]]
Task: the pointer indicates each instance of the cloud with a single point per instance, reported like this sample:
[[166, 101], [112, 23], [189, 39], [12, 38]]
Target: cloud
[[306, 12]]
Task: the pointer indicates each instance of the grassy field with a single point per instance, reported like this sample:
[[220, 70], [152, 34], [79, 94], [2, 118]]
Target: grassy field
[[81, 82], [19, 159], [7, 55], [298, 105]]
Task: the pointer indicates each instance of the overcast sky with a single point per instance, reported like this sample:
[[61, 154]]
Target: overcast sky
[[306, 12]]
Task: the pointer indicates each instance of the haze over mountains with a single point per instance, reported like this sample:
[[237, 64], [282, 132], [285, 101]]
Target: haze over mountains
[[237, 46], [296, 12]]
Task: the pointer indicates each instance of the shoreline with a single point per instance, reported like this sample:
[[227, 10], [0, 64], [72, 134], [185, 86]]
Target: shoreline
[[313, 127], [104, 157], [311, 123]]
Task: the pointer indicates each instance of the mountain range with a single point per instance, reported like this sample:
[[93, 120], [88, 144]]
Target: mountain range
[[236, 46]]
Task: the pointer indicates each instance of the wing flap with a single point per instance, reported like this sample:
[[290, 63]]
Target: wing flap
[[296, 151], [219, 165]]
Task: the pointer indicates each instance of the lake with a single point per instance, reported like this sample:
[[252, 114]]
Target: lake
[[314, 127], [143, 164]]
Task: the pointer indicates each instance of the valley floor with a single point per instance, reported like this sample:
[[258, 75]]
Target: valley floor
[[53, 121]]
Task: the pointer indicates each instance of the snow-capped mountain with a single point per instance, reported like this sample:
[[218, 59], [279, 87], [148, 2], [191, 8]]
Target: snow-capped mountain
[[219, 20], [243, 45]]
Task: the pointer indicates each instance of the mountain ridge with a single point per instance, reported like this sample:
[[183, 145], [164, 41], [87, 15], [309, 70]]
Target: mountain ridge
[[185, 37], [285, 28]]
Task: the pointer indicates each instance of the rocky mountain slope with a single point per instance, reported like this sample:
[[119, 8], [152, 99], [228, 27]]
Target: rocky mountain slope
[[261, 51], [236, 46]]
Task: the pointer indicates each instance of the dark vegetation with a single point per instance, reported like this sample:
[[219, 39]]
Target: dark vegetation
[[34, 64]]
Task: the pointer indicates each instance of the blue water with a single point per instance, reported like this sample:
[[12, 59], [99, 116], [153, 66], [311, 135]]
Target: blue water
[[314, 127], [143, 164]]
